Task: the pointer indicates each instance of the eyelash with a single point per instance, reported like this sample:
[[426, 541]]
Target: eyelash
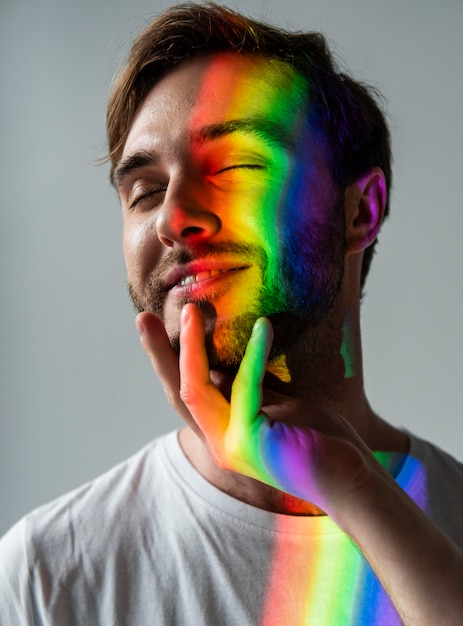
[[145, 196], [244, 166]]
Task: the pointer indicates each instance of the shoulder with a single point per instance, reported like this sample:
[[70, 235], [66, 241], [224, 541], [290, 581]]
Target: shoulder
[[116, 492], [100, 499], [442, 478], [437, 462], [78, 532]]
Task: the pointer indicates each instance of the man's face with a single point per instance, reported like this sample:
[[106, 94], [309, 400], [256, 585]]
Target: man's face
[[228, 202]]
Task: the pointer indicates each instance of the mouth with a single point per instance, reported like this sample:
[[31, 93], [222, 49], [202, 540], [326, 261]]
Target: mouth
[[199, 274], [202, 276]]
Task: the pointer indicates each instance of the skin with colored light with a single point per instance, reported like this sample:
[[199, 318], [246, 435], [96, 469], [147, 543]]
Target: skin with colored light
[[255, 193], [190, 200]]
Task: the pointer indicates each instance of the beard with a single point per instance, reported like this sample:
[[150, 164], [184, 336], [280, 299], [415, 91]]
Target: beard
[[296, 294]]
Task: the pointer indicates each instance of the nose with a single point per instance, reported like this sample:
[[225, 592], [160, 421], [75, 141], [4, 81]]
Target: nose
[[185, 217]]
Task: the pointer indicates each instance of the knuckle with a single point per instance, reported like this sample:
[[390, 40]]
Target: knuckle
[[187, 393]]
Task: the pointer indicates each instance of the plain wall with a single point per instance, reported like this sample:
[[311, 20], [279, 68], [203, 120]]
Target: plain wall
[[77, 391]]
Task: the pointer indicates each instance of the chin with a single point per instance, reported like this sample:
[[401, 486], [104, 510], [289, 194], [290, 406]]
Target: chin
[[221, 356], [225, 339]]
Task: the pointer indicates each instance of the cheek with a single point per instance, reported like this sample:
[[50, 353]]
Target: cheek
[[264, 218], [308, 196], [142, 250]]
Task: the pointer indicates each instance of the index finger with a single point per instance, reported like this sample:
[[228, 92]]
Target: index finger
[[205, 402]]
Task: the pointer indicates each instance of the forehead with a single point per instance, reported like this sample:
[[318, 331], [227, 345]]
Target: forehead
[[216, 89]]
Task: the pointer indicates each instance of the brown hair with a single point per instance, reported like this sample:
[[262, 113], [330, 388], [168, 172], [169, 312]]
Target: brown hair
[[345, 112]]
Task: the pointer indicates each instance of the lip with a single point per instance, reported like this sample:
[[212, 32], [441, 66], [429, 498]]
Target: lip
[[199, 274]]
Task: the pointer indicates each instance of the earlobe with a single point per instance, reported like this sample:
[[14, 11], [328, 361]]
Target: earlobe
[[365, 202]]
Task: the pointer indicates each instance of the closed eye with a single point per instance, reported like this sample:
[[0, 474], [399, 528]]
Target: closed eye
[[243, 166], [148, 194]]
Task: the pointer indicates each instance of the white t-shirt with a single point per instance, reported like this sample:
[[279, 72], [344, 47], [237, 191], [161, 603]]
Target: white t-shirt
[[151, 542]]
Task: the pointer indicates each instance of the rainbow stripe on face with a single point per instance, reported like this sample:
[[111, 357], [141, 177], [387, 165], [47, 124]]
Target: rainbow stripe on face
[[253, 166], [319, 577]]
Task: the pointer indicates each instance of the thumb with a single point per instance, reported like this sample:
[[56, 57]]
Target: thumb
[[156, 343]]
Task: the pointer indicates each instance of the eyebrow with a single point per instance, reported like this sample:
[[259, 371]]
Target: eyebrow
[[135, 161], [271, 132]]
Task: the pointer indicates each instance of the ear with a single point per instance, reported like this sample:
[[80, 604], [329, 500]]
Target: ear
[[365, 202]]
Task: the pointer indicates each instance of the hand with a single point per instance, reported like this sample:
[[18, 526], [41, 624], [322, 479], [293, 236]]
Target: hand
[[272, 441]]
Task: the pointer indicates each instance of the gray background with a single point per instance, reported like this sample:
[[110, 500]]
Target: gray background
[[77, 392]]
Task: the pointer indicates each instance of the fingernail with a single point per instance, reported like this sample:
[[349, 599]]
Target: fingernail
[[258, 326], [140, 328], [185, 315]]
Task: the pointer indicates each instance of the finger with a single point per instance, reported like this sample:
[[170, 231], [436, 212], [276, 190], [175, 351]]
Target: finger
[[164, 360], [247, 387], [205, 402]]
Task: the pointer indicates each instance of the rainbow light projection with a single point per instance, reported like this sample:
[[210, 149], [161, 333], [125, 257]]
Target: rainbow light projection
[[322, 579], [316, 578]]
